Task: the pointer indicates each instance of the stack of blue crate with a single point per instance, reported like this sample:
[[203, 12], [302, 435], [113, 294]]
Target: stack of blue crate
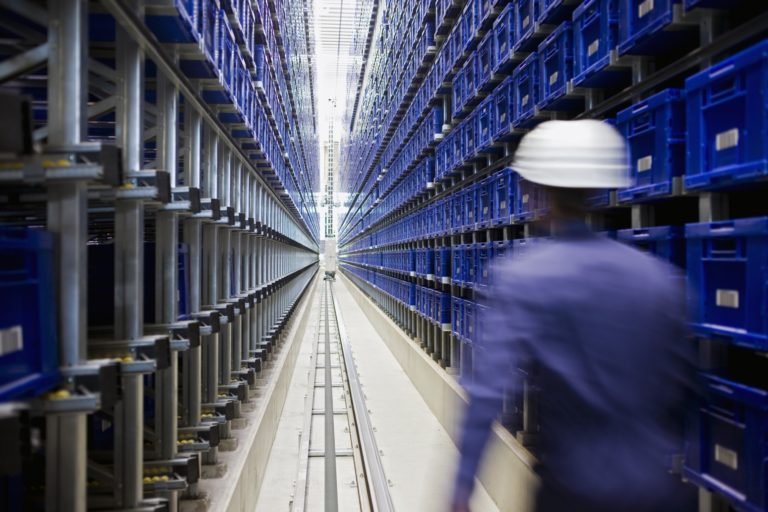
[[29, 351]]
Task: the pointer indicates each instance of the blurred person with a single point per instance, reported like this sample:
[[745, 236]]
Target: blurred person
[[602, 325]]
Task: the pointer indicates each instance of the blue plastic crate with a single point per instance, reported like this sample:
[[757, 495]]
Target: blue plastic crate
[[485, 62], [485, 196], [502, 249], [555, 11], [526, 36], [727, 272], [530, 201], [443, 264], [457, 316], [457, 93], [504, 39], [525, 90], [470, 208], [599, 199], [469, 24], [484, 114], [642, 24], [178, 25], [595, 35], [505, 186], [502, 110], [728, 122], [666, 242], [444, 310], [556, 69], [655, 133], [469, 138], [470, 74], [470, 317], [457, 265], [29, 361], [469, 262], [727, 446], [485, 254]]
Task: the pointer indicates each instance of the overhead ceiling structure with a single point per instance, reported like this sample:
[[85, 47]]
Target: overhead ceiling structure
[[340, 26]]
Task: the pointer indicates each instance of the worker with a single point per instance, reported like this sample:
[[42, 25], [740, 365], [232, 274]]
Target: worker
[[601, 327]]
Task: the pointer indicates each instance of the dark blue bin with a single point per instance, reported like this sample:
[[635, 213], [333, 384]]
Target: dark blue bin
[[530, 201], [485, 62], [728, 121], [443, 264], [595, 35], [727, 273], [470, 321], [484, 114], [485, 196], [666, 242], [505, 186], [179, 27], [642, 24], [457, 258], [29, 353], [457, 316], [502, 110], [525, 89], [555, 11], [526, 37], [727, 447], [469, 262], [502, 249], [469, 138], [504, 39], [655, 133], [556, 70], [485, 254], [470, 208]]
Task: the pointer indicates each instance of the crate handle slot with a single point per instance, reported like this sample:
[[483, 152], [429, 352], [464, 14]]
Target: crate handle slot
[[724, 89]]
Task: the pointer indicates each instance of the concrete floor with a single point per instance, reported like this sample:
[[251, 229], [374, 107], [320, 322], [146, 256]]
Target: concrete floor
[[418, 455]]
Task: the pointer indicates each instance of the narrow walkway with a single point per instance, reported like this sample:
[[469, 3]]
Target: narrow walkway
[[419, 457]]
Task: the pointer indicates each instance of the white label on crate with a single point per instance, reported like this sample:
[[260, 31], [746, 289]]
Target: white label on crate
[[524, 101], [728, 139], [503, 205], [644, 8], [526, 21], [727, 457], [727, 299], [593, 48], [553, 77], [644, 164], [11, 340], [525, 198]]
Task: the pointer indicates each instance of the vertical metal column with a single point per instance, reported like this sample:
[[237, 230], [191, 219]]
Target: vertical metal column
[[129, 268], [166, 286], [192, 387], [225, 266], [65, 473]]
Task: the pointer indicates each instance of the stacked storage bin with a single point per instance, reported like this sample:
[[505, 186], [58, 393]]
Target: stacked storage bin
[[501, 68]]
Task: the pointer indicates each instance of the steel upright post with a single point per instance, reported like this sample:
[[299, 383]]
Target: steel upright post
[[193, 238], [166, 285], [129, 267], [68, 219]]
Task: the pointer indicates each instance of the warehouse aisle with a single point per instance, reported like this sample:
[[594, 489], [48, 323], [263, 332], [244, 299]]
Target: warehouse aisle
[[417, 454]]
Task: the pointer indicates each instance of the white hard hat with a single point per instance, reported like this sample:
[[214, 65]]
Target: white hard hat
[[574, 154]]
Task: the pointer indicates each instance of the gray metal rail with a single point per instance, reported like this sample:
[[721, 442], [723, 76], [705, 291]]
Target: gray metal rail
[[376, 480]]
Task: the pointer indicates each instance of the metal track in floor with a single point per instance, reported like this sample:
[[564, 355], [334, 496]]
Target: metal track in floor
[[339, 467]]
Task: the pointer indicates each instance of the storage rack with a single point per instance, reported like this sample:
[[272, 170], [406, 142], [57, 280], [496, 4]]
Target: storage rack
[[168, 149], [434, 200]]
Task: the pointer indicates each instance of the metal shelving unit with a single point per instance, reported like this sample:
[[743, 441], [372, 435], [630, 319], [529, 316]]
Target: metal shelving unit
[[429, 211], [183, 240]]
